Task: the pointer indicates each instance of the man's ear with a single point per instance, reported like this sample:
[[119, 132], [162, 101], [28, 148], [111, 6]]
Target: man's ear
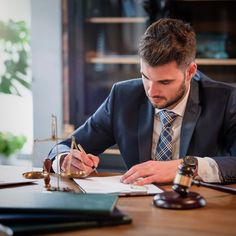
[[191, 71]]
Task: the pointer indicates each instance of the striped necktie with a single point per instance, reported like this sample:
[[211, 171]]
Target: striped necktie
[[164, 146]]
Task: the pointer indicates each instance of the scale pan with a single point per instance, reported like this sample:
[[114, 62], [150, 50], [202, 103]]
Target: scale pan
[[33, 175], [76, 175]]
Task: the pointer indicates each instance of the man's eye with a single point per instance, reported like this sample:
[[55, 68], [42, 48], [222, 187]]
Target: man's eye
[[165, 82], [143, 77]]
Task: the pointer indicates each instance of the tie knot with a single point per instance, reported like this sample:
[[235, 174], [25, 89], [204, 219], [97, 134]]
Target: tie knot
[[167, 117]]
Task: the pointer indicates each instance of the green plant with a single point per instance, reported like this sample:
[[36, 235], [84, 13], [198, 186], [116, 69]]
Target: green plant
[[14, 59], [10, 143]]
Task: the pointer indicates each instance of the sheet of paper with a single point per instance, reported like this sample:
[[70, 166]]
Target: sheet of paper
[[6, 183], [12, 175], [112, 184]]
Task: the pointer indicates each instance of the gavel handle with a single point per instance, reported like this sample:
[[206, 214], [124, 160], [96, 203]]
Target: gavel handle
[[215, 186]]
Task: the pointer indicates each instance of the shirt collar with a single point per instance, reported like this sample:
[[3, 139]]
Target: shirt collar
[[179, 109]]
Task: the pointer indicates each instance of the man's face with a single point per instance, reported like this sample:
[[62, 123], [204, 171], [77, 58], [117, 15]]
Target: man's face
[[166, 85]]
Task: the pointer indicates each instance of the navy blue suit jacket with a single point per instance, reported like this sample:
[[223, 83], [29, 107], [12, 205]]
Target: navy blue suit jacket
[[126, 118]]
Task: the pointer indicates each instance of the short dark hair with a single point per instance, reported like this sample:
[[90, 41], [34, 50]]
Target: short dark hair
[[168, 40]]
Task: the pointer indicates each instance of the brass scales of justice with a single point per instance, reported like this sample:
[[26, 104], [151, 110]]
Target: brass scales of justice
[[47, 163]]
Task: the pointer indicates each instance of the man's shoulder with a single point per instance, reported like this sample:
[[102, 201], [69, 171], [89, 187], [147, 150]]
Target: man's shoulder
[[131, 90], [207, 82], [130, 83]]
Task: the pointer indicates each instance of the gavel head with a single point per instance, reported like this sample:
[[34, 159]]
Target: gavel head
[[184, 176]]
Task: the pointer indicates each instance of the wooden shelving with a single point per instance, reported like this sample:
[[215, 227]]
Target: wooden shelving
[[111, 20], [114, 60], [215, 62], [135, 60]]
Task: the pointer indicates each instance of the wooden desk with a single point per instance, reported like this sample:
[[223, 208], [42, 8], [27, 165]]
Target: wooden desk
[[218, 217]]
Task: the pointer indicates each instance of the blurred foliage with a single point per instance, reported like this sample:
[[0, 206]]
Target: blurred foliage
[[10, 143], [14, 56]]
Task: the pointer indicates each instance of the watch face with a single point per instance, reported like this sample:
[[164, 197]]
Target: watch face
[[190, 160]]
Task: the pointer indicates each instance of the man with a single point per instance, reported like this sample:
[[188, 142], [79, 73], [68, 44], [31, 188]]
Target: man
[[201, 115]]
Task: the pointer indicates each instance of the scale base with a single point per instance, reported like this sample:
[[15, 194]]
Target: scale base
[[173, 200], [58, 189]]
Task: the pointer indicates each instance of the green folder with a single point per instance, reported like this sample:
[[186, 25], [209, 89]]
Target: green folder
[[30, 223], [56, 202], [33, 212]]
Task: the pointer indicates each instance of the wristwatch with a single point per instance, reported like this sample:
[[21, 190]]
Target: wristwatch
[[192, 162]]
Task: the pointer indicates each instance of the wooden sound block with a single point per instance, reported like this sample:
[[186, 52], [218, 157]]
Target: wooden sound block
[[173, 200]]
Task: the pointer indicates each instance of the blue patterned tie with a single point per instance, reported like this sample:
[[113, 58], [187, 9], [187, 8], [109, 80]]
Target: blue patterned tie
[[164, 146]]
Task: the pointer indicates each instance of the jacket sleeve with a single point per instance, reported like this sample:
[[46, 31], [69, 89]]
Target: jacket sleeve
[[96, 134], [227, 162]]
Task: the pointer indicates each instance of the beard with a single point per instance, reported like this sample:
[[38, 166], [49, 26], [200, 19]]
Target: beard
[[172, 102]]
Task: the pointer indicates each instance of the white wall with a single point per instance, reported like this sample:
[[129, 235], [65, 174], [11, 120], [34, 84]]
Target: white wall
[[47, 70], [15, 10], [34, 118], [16, 112]]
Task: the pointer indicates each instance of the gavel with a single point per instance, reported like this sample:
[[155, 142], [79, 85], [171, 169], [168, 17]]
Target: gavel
[[181, 197]]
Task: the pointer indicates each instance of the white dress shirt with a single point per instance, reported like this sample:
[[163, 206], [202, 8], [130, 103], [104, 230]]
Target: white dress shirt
[[208, 169]]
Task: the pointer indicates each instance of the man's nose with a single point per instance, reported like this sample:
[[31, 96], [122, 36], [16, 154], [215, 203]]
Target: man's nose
[[153, 89]]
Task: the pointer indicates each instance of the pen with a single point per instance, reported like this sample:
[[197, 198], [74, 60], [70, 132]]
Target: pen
[[82, 150]]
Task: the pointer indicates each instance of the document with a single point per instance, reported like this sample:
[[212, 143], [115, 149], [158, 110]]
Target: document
[[7, 183], [12, 175], [112, 184]]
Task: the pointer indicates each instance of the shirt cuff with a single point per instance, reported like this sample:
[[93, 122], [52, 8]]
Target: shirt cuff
[[56, 163], [208, 170]]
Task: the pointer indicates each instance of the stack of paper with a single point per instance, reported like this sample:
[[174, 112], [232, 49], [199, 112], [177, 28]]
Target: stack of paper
[[112, 184]]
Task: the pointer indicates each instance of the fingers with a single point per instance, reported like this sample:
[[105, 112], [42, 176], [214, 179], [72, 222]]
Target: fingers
[[77, 160], [94, 159], [136, 172], [81, 157], [146, 180], [69, 164], [151, 172]]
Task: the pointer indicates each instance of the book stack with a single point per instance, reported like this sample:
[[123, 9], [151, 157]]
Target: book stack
[[35, 213]]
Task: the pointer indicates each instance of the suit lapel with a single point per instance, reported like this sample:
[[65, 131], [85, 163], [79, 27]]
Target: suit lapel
[[145, 127], [191, 115]]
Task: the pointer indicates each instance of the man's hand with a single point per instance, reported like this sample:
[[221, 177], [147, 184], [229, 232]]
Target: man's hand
[[79, 161], [151, 172]]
